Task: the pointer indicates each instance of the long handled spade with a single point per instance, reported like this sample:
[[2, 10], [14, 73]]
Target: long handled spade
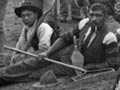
[[46, 11], [64, 64], [77, 58]]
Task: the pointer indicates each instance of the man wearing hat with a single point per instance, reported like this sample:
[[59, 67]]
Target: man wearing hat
[[29, 11]]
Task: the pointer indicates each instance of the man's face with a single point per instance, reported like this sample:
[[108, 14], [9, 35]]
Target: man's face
[[97, 18], [28, 17]]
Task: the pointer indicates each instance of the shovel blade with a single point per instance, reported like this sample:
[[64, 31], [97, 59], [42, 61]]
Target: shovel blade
[[77, 60]]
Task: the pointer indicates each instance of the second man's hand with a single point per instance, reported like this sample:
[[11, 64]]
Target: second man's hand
[[42, 55]]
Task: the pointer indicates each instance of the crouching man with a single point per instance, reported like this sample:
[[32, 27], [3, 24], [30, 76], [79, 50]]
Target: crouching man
[[30, 11]]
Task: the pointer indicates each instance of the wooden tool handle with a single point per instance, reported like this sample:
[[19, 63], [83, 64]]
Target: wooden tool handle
[[75, 41], [47, 59], [55, 15]]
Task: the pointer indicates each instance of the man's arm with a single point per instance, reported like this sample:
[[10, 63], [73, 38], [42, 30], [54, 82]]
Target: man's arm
[[112, 55], [44, 34], [64, 40], [112, 51]]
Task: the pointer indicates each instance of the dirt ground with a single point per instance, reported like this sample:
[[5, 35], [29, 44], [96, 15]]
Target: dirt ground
[[13, 27]]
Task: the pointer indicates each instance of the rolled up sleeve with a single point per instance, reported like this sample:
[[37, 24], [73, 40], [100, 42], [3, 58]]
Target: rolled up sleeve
[[112, 51], [44, 34]]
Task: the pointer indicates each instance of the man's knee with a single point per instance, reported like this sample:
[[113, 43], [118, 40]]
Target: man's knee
[[58, 70]]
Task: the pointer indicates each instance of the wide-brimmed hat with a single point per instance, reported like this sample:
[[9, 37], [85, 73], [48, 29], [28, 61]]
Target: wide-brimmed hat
[[29, 4], [48, 79]]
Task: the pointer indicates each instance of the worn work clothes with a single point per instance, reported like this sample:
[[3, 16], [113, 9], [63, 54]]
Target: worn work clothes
[[102, 50], [41, 40], [44, 33]]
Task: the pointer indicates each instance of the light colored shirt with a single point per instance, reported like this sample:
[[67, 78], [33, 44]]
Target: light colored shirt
[[109, 38], [44, 34]]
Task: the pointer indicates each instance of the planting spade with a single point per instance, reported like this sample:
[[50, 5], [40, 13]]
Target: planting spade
[[77, 58]]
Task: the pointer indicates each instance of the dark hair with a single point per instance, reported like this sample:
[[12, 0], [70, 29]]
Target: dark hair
[[99, 6]]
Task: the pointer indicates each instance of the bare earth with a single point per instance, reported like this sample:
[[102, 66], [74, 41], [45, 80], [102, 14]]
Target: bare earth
[[13, 29]]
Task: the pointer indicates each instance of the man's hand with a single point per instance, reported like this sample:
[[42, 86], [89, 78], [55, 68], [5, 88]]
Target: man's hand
[[42, 55], [17, 58]]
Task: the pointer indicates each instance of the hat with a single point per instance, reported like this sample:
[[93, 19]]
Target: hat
[[29, 4], [48, 79]]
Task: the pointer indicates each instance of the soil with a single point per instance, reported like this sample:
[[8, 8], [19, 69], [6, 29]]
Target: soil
[[13, 27]]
